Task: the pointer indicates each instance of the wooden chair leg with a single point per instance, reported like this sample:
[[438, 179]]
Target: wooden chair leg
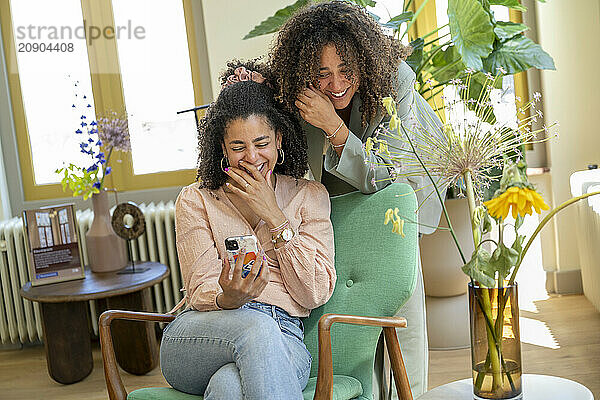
[[398, 367], [386, 373]]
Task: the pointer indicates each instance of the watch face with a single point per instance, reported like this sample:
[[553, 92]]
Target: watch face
[[287, 234]]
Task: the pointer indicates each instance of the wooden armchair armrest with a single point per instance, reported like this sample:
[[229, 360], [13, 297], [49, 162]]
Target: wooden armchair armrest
[[114, 384], [324, 390]]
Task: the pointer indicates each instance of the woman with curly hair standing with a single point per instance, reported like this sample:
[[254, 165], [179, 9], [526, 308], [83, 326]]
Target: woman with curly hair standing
[[241, 336], [333, 65]]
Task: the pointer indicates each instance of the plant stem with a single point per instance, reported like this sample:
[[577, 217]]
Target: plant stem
[[431, 54], [492, 340], [471, 198], [106, 166], [541, 225], [414, 18], [492, 337]]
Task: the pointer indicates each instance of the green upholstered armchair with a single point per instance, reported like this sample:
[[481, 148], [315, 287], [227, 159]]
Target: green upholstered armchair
[[376, 274]]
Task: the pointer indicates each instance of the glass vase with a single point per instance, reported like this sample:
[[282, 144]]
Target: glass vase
[[495, 342]]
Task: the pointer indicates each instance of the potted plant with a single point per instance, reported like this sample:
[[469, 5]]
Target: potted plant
[[465, 153]]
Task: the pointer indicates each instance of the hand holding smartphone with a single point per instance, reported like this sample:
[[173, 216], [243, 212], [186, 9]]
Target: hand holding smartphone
[[235, 244]]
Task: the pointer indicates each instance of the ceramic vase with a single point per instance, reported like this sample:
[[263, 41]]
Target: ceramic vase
[[106, 251], [495, 352]]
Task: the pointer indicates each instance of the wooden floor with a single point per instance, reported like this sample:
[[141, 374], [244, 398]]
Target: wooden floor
[[561, 337]]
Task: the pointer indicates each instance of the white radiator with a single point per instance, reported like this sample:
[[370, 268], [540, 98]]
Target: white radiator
[[588, 232], [20, 319]]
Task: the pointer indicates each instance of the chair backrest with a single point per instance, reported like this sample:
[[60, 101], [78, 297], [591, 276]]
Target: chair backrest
[[376, 274]]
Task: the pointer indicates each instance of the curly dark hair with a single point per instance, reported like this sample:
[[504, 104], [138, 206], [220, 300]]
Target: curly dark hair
[[361, 44], [240, 101]]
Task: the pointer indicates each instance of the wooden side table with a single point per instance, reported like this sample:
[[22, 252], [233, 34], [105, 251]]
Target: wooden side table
[[65, 321], [535, 387]]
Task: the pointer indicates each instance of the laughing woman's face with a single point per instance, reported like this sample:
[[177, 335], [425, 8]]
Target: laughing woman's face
[[335, 79], [252, 141]]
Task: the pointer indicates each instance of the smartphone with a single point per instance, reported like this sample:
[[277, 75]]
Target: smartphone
[[233, 245]]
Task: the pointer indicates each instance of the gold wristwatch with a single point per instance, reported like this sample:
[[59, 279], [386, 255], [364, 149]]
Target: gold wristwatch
[[284, 236]]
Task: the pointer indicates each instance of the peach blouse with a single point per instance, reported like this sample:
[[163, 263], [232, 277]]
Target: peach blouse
[[302, 273]]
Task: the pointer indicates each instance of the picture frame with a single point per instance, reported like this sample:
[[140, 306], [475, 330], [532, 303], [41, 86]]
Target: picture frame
[[52, 244]]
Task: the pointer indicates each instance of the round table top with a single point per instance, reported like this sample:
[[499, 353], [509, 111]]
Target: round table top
[[96, 285], [535, 387]]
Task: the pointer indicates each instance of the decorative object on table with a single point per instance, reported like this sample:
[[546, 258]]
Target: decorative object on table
[[52, 245], [106, 252], [129, 223], [463, 152]]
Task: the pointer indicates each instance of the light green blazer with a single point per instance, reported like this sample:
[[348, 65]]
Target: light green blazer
[[354, 170]]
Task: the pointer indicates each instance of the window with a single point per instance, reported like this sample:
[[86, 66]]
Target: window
[[161, 140], [137, 56]]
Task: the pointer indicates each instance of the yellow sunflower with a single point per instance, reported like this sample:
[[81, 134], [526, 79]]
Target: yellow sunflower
[[521, 199]]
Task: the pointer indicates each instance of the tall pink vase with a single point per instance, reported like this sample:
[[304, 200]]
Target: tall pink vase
[[106, 251]]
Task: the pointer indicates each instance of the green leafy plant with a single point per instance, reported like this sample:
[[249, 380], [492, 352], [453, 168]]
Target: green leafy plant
[[464, 153], [476, 41]]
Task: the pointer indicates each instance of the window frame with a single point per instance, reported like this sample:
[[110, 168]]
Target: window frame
[[427, 22], [108, 95]]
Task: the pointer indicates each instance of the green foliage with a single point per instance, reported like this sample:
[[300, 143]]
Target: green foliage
[[472, 31], [276, 21], [518, 54], [508, 30], [273, 23], [363, 3], [416, 58], [477, 41], [79, 180], [503, 259], [478, 268], [514, 4], [398, 20]]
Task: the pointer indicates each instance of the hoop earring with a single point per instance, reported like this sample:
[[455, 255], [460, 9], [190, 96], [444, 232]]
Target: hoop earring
[[281, 155], [222, 167]]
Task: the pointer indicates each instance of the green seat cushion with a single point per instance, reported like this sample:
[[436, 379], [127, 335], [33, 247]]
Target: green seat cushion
[[161, 393], [344, 388]]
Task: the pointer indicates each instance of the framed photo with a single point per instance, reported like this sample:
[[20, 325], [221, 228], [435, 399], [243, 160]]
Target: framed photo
[[52, 242]]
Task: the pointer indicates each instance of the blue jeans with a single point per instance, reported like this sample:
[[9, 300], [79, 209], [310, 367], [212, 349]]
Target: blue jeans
[[253, 352]]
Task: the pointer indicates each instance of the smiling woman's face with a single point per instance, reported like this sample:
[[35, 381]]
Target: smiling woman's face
[[253, 141], [333, 79]]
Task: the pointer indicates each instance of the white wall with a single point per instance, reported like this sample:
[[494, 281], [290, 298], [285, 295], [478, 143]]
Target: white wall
[[225, 26], [569, 31]]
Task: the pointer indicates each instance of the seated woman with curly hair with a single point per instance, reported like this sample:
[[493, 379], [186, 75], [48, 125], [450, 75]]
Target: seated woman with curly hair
[[333, 65], [241, 336]]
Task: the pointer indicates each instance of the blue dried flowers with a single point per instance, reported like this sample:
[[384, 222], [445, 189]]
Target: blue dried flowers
[[109, 132]]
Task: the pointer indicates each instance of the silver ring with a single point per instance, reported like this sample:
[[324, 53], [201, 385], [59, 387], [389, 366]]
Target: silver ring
[[247, 184]]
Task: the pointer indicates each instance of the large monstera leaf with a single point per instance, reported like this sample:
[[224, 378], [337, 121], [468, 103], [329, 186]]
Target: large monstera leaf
[[516, 55], [472, 31]]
